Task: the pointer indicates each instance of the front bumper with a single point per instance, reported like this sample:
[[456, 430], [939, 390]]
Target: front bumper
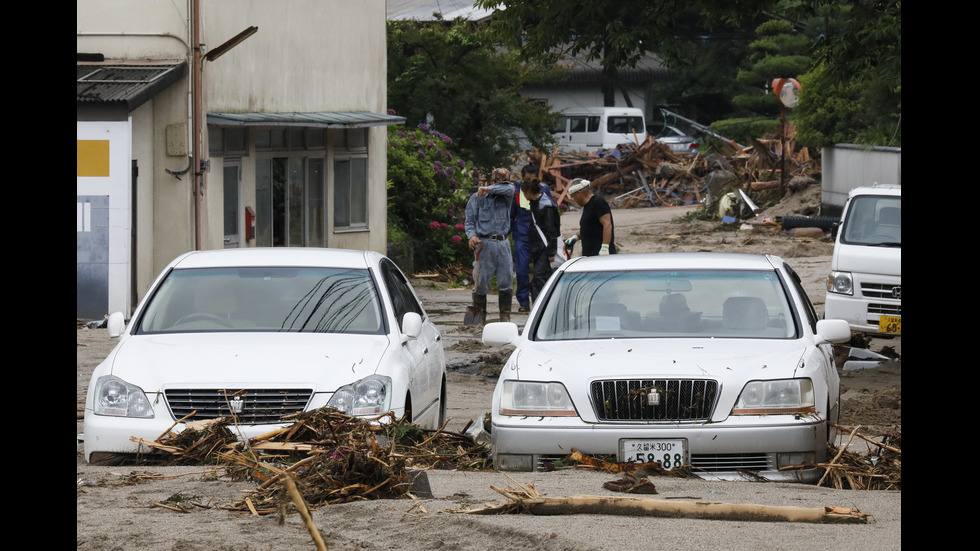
[[747, 449], [855, 310], [118, 435]]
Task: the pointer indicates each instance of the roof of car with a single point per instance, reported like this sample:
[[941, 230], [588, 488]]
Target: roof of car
[[877, 189], [658, 261], [276, 256]]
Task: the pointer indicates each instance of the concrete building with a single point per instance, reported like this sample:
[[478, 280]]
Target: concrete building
[[204, 124]]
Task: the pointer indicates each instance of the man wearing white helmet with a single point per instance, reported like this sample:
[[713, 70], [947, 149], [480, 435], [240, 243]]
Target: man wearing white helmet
[[596, 228]]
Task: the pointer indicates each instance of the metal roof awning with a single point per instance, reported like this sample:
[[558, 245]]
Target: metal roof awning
[[124, 84], [314, 120]]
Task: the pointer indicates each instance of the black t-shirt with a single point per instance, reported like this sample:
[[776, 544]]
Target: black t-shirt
[[590, 227]]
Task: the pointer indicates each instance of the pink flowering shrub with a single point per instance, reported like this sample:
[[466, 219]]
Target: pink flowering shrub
[[428, 186]]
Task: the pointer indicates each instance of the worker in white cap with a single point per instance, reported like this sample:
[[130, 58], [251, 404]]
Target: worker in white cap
[[596, 228]]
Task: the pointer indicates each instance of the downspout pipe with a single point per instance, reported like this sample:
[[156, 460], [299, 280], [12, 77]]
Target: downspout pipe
[[197, 91]]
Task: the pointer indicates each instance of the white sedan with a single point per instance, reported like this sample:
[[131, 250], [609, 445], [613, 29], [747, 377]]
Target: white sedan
[[717, 362], [256, 334]]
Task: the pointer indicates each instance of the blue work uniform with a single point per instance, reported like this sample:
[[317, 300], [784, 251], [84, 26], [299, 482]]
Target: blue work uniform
[[489, 219], [520, 227]]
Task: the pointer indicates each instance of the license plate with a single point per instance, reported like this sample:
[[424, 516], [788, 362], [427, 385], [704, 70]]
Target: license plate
[[890, 324], [670, 453]]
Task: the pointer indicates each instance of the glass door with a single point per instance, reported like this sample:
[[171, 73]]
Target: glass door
[[233, 222]]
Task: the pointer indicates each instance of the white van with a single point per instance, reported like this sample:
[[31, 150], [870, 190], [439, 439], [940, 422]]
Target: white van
[[865, 282], [592, 128]]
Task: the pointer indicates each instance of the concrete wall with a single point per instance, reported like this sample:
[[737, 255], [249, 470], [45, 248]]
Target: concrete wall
[[308, 55], [847, 166]]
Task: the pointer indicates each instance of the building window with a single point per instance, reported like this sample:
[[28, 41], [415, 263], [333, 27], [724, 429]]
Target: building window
[[350, 193], [227, 142], [350, 179]]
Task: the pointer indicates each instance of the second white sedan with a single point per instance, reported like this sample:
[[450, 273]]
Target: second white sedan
[[717, 362]]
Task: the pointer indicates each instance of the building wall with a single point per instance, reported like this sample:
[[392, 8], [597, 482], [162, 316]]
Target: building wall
[[845, 167], [588, 95], [123, 29], [307, 56], [333, 51], [338, 51]]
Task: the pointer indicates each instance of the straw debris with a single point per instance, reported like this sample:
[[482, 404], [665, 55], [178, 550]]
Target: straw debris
[[331, 457]]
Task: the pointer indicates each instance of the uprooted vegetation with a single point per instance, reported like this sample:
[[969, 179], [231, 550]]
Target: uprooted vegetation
[[335, 458]]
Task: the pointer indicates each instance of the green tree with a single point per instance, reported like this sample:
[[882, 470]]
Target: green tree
[[616, 32], [779, 52], [451, 76], [853, 94]]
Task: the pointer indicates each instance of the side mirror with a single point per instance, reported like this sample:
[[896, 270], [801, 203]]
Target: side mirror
[[412, 325], [116, 324], [833, 331], [500, 333]]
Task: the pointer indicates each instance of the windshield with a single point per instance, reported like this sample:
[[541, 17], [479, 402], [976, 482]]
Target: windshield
[[306, 300], [667, 304], [873, 220]]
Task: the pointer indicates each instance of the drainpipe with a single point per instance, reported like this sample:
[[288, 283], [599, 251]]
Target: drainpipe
[[197, 91]]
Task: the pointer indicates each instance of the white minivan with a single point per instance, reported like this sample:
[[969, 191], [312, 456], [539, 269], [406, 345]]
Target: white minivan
[[865, 282], [590, 128]]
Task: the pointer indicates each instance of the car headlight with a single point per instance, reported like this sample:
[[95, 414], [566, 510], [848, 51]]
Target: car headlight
[[780, 396], [535, 399], [116, 397], [370, 396], [840, 283]]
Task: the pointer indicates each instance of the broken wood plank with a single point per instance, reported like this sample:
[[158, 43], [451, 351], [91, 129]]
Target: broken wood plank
[[651, 507], [304, 512]]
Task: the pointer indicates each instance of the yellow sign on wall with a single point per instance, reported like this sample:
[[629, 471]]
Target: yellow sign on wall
[[92, 157]]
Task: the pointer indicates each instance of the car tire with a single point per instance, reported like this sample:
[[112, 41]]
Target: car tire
[[825, 223], [442, 405], [408, 409]]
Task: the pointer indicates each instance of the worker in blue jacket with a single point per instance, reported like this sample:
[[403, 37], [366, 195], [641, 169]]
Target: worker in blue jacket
[[487, 225], [520, 228]]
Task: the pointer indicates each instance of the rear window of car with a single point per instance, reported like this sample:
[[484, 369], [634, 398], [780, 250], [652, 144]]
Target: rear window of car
[[667, 304], [283, 299]]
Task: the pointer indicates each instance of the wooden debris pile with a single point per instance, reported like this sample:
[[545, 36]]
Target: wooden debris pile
[[331, 457], [653, 174], [877, 471]]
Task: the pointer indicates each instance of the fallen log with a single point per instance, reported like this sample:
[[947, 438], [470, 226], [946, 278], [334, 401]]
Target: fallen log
[[650, 507]]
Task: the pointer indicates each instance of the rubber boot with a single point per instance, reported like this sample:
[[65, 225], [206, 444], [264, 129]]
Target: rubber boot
[[480, 301], [504, 301]]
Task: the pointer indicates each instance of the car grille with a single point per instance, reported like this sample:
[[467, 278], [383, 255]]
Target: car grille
[[881, 290], [257, 406], [884, 309], [680, 399], [730, 462]]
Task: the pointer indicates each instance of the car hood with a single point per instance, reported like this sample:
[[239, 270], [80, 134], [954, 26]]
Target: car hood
[[323, 361], [722, 359], [868, 260]]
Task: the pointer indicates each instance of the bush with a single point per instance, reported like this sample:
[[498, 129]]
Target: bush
[[427, 192]]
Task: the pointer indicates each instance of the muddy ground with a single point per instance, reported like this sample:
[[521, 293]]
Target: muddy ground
[[180, 508]]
